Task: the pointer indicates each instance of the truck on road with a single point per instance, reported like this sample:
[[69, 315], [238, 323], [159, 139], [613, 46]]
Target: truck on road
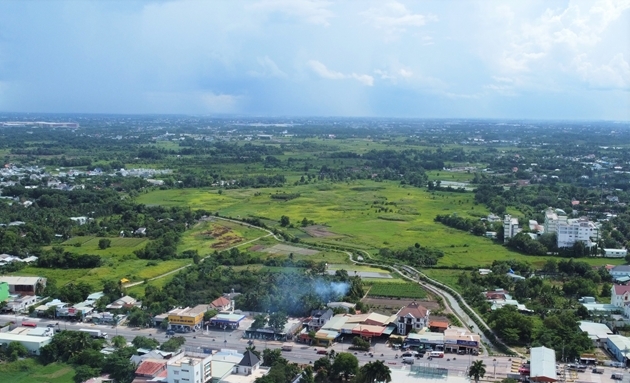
[[287, 347], [94, 333]]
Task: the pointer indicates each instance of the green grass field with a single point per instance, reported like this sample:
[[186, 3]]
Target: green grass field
[[89, 245], [118, 262], [29, 371], [346, 209], [396, 290]]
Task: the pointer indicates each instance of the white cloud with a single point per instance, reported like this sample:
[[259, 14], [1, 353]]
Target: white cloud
[[614, 74], [313, 11], [574, 28], [363, 79], [322, 71], [267, 68], [394, 74], [394, 18]]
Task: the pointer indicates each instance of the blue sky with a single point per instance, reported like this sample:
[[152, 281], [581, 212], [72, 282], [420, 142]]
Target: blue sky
[[454, 59]]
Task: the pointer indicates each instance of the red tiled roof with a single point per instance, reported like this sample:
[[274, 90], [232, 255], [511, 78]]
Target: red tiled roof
[[621, 289], [413, 309], [220, 302], [438, 324], [150, 368]]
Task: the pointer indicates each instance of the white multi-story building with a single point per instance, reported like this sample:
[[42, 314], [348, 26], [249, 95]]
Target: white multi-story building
[[412, 317], [189, 367], [510, 227], [552, 219], [576, 230], [620, 295]]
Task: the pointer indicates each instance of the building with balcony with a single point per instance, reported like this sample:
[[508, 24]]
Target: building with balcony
[[412, 317]]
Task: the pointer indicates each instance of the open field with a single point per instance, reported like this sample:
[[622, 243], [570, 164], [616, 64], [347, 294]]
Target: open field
[[28, 371], [351, 210], [392, 305], [89, 245], [446, 276], [133, 269], [208, 236], [396, 290], [118, 262]]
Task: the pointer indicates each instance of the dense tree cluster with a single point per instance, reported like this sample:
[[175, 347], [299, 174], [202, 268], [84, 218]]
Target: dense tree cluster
[[413, 255]]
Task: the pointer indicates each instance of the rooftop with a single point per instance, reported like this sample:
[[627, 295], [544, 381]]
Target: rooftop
[[20, 280], [413, 309], [543, 363], [188, 358], [8, 337], [621, 289], [150, 367], [220, 302], [234, 378], [597, 330], [249, 359]]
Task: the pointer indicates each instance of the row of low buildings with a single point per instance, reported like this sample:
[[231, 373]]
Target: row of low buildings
[[411, 323], [191, 319]]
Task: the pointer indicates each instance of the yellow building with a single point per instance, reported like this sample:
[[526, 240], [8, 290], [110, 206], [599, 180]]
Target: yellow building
[[187, 319]]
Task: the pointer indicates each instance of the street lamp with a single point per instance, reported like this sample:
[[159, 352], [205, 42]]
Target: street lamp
[[494, 364]]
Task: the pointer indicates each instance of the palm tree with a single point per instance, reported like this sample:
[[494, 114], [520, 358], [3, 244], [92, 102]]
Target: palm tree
[[477, 370], [375, 372]]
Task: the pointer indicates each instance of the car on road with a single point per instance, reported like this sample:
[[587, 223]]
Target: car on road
[[322, 352]]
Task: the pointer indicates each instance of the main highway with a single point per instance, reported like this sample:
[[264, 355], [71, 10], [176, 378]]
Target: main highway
[[301, 353]]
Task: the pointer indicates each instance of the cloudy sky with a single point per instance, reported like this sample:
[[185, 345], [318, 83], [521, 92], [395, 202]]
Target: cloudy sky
[[471, 59]]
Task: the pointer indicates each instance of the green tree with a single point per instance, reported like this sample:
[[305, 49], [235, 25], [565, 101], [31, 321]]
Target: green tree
[[83, 373], [285, 221], [277, 321], [209, 314], [260, 321], [104, 243], [138, 317], [173, 344], [307, 375], [271, 357], [16, 350], [373, 372], [477, 370], [119, 341], [118, 365], [145, 342], [360, 344], [345, 364]]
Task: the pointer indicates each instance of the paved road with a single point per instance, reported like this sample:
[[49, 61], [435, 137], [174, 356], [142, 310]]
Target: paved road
[[304, 354], [301, 353]]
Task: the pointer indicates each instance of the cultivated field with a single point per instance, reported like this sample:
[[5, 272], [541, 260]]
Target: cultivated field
[[210, 235], [355, 212]]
